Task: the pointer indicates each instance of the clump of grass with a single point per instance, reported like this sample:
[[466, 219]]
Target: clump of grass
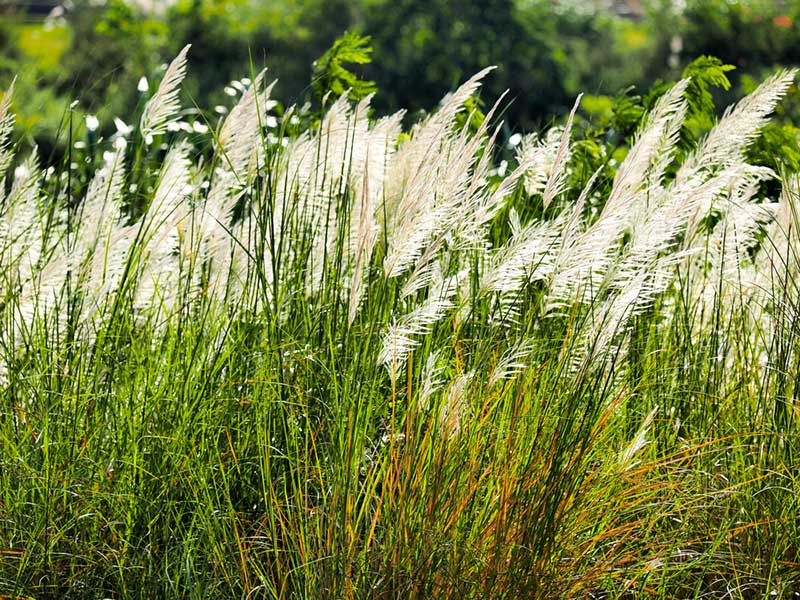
[[349, 362]]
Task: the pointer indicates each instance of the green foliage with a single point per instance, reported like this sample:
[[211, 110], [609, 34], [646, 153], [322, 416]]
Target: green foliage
[[777, 148], [331, 75], [473, 114], [627, 112], [704, 73]]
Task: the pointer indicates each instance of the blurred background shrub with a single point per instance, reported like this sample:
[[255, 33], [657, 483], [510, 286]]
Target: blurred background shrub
[[547, 51]]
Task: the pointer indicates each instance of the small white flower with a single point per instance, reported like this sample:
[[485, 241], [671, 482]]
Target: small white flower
[[199, 127], [92, 123], [80, 145], [294, 120], [108, 157], [246, 81], [143, 85], [172, 126], [270, 104], [501, 170], [271, 121], [21, 172], [514, 140], [148, 140], [229, 90], [122, 127], [185, 126], [395, 437], [120, 143], [220, 110], [238, 85]]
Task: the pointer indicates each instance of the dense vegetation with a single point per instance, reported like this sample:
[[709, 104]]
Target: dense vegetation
[[317, 353], [547, 52]]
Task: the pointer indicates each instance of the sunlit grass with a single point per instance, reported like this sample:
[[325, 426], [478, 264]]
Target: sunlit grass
[[204, 394]]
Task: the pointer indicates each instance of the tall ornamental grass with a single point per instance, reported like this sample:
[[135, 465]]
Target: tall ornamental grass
[[359, 361]]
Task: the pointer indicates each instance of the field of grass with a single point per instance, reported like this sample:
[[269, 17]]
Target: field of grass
[[344, 359]]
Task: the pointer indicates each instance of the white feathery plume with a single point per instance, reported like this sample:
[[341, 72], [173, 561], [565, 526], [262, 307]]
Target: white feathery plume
[[431, 374], [161, 245], [723, 148], [397, 344], [398, 341], [163, 106], [430, 181], [781, 250], [776, 269], [723, 270], [481, 204], [399, 338], [573, 225], [168, 205], [421, 278], [558, 171], [584, 264], [459, 202], [454, 408], [529, 255], [639, 441], [725, 267], [365, 244], [41, 295], [656, 233], [106, 269], [786, 217], [540, 156], [341, 158], [361, 138], [725, 144], [608, 321], [424, 142], [430, 199], [382, 147], [514, 222], [652, 254], [237, 158], [425, 271], [240, 133], [101, 242], [313, 181], [651, 152], [20, 220], [512, 362], [368, 173], [101, 206], [741, 187], [6, 128], [409, 239]]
